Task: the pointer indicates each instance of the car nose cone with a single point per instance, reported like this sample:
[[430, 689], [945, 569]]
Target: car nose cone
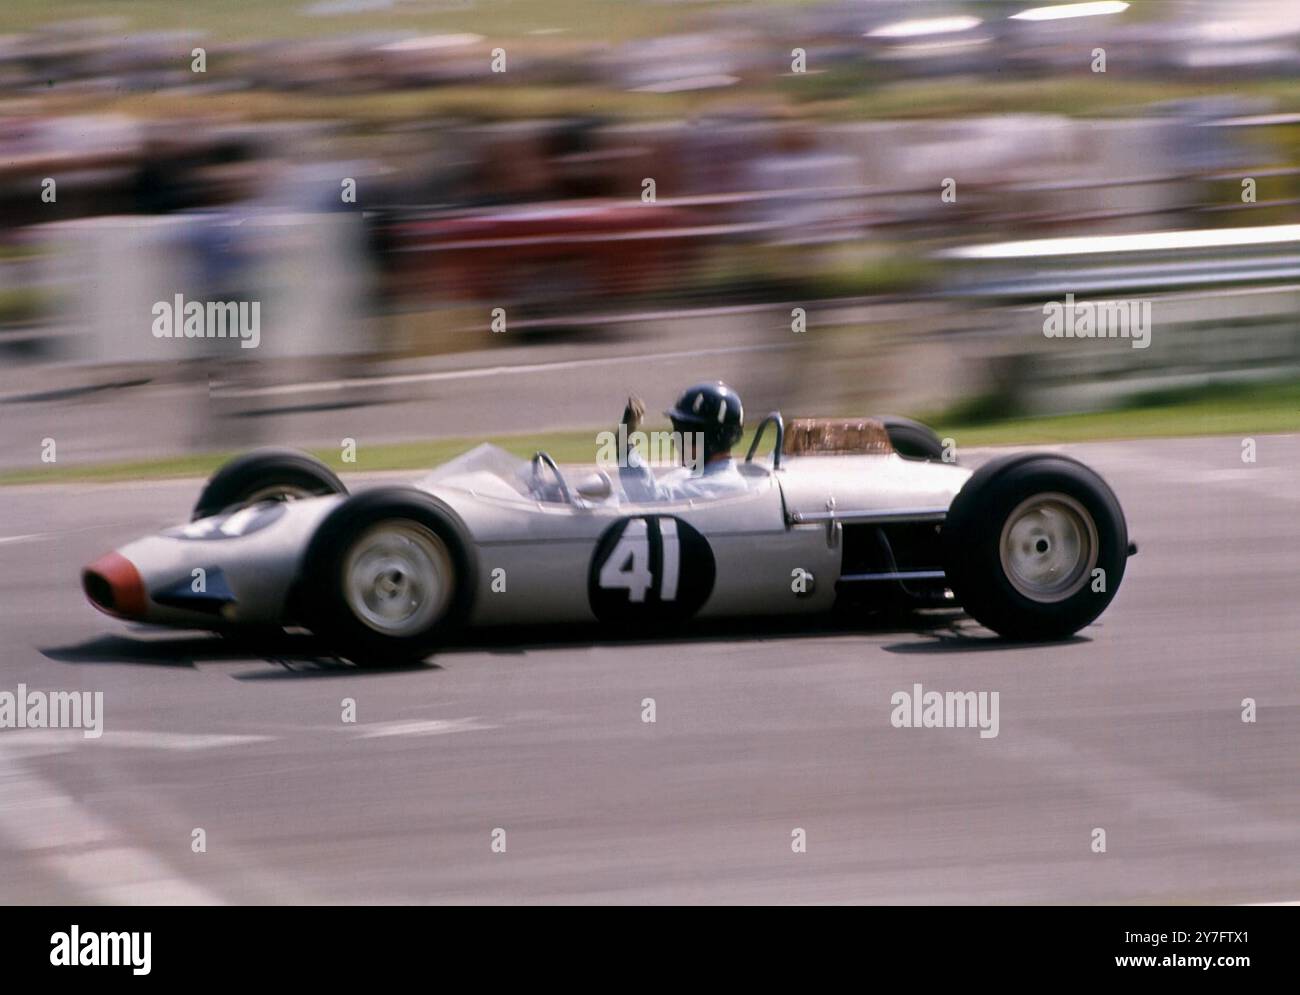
[[113, 585]]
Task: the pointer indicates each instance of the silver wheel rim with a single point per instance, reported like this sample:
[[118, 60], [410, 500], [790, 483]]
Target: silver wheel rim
[[1048, 547], [397, 578]]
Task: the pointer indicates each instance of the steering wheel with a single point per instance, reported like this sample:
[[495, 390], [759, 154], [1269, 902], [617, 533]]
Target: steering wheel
[[772, 419], [543, 459]]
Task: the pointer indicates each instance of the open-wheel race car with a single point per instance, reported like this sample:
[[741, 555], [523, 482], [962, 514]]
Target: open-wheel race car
[[840, 514]]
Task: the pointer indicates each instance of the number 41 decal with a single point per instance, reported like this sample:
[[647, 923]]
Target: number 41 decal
[[628, 564], [650, 568]]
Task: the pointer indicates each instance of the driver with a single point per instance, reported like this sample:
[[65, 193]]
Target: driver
[[712, 412]]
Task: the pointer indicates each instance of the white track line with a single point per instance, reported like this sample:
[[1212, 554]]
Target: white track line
[[37, 741], [67, 839], [60, 532], [1277, 482], [1151, 795], [33, 535], [427, 727], [480, 372]]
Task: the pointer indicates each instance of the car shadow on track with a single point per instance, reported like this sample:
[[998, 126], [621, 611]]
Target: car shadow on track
[[290, 654], [294, 655], [520, 639], [960, 642]]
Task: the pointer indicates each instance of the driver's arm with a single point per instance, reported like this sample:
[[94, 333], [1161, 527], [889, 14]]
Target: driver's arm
[[636, 479]]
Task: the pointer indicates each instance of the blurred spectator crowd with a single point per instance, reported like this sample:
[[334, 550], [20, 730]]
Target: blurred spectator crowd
[[737, 159]]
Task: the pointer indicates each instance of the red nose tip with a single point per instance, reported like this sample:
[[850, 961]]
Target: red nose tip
[[113, 585]]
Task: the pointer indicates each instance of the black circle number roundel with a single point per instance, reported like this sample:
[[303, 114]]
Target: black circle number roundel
[[653, 568]]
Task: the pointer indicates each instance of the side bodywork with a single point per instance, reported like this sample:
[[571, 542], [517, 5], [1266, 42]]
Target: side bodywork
[[798, 539]]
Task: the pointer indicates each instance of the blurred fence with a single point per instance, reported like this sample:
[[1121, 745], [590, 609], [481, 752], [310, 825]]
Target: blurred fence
[[923, 245]]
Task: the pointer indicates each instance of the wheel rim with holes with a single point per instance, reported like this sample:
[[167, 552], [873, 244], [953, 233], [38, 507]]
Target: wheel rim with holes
[[1048, 547], [397, 578]]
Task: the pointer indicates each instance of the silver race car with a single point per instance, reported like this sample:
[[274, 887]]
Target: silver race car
[[843, 514]]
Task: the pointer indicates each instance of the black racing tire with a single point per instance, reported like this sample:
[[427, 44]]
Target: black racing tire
[[911, 439], [1023, 541], [266, 474], [399, 554]]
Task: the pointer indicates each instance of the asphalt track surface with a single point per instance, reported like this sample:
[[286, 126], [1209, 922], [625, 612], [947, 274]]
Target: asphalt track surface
[[1134, 727]]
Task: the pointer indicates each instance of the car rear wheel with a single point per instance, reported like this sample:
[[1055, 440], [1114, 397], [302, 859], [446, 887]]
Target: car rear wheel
[[386, 577], [266, 475], [1035, 546]]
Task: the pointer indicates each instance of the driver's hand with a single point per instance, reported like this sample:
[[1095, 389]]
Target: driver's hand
[[634, 413]]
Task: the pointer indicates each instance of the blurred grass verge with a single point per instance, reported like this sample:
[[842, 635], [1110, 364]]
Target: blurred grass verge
[[259, 20], [1244, 410], [1229, 409]]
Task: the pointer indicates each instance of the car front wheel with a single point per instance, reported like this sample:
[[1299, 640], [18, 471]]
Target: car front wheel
[[386, 577]]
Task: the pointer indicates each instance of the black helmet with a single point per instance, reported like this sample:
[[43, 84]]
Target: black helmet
[[712, 409]]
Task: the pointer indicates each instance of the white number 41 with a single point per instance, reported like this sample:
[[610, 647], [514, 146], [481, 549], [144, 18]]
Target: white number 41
[[628, 564]]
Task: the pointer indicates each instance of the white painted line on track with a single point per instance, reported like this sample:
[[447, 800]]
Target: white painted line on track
[[68, 840], [476, 373], [426, 727], [33, 535], [35, 741], [61, 532], [1193, 812], [1275, 482]]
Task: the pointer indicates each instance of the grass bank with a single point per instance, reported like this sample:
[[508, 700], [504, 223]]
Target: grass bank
[[1235, 410]]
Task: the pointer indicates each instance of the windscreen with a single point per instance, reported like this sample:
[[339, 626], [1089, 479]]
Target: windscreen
[[486, 460]]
